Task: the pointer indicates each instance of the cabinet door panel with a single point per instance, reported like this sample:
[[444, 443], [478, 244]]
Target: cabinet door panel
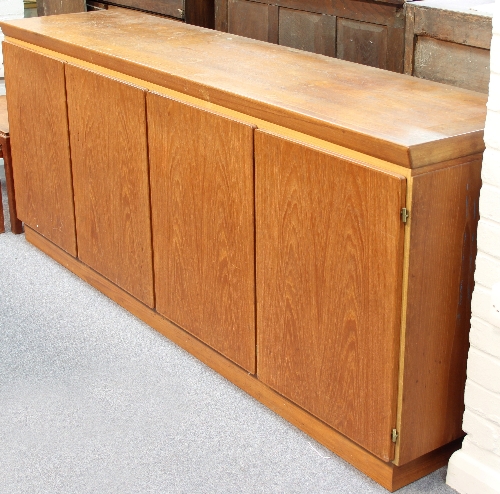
[[203, 225], [307, 31], [329, 278], [107, 121], [253, 20], [40, 144], [362, 42]]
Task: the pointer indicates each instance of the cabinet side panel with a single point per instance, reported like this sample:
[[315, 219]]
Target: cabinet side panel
[[203, 225], [329, 274], [107, 121], [40, 144], [444, 215]]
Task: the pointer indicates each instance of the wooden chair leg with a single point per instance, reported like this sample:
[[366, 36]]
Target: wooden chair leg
[[2, 222], [16, 225]]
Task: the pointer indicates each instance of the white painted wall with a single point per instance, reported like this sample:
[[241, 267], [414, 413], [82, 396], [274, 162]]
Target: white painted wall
[[9, 9], [475, 469]]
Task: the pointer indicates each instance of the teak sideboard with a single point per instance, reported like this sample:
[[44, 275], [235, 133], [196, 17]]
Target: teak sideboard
[[304, 225]]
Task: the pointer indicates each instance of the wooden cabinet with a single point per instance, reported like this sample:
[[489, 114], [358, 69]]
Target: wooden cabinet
[[38, 118], [203, 224], [303, 225], [329, 249], [366, 32], [109, 157]]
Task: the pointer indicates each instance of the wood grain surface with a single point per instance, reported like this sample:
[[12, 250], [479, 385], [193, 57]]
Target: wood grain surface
[[5, 153], [329, 251], [458, 27], [386, 474], [56, 7], [409, 39], [253, 20], [107, 122], [203, 224], [372, 111], [221, 7], [40, 144], [451, 63], [200, 13], [4, 117], [367, 11], [173, 8], [2, 219], [362, 42], [308, 31], [444, 216], [16, 225]]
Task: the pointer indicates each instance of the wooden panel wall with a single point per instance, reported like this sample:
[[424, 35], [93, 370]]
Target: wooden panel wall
[[448, 46], [452, 63], [55, 7], [444, 216], [107, 121], [362, 42], [365, 32], [40, 144], [253, 20], [329, 250], [307, 31], [203, 224]]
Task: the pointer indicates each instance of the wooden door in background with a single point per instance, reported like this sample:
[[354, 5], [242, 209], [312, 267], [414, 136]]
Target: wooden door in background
[[307, 31], [203, 224], [329, 280], [40, 144], [107, 121], [253, 20]]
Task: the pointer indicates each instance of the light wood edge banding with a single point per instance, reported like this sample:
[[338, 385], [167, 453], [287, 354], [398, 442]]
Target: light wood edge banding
[[404, 303]]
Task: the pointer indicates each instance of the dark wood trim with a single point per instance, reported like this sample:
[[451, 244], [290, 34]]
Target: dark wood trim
[[273, 26], [409, 39], [16, 225], [457, 27], [221, 15], [371, 11]]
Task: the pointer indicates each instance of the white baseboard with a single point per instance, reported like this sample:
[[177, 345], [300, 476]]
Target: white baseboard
[[469, 476]]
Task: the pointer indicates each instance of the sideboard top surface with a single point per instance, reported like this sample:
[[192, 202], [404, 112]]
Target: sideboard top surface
[[402, 119]]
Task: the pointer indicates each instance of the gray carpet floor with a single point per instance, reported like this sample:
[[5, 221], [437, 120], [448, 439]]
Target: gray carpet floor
[[92, 400]]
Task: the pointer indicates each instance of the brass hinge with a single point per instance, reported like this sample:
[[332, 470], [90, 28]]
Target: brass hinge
[[394, 435], [404, 215]]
